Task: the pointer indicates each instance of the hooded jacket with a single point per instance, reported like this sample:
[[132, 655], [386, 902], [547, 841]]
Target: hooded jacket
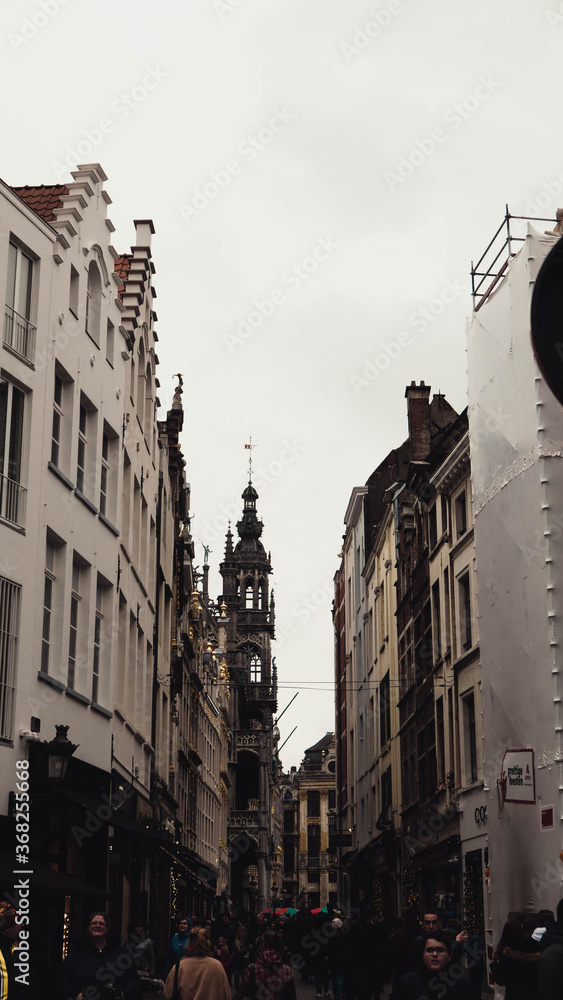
[[268, 978]]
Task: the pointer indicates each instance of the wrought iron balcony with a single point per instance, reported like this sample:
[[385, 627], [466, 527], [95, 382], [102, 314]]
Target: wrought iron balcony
[[13, 499], [19, 334]]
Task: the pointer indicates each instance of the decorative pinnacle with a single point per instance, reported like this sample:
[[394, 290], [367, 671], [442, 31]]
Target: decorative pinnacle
[[250, 446]]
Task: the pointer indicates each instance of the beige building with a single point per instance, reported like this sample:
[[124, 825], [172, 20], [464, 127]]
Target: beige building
[[309, 825]]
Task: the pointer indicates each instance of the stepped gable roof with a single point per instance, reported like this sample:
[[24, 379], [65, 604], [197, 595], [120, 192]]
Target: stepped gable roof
[[42, 198], [121, 266]]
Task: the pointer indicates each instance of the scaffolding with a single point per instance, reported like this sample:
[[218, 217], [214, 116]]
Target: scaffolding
[[498, 266]]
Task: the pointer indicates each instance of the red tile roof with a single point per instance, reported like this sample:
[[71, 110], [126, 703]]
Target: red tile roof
[[43, 198], [121, 266]]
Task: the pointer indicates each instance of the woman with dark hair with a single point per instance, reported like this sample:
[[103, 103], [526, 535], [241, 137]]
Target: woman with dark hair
[[516, 964], [198, 976], [98, 963], [437, 976], [178, 943]]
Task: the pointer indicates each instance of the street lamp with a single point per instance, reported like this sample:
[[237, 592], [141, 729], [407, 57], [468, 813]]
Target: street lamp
[[59, 751]]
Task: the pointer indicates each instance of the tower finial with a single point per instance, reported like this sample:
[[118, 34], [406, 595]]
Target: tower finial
[[250, 446]]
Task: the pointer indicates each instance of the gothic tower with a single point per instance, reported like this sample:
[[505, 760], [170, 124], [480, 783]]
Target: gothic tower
[[253, 686]]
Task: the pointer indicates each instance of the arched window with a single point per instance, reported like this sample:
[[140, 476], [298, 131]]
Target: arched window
[[249, 594], [255, 668], [93, 303]]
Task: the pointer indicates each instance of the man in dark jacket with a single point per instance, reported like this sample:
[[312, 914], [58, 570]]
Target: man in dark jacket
[[97, 968], [437, 976]]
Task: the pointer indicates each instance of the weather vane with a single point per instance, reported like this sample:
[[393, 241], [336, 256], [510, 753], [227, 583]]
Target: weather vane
[[250, 446]]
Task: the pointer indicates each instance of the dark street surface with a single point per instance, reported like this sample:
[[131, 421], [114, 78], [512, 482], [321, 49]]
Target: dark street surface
[[307, 991]]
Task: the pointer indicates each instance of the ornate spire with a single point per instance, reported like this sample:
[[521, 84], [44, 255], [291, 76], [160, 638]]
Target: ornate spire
[[229, 551]]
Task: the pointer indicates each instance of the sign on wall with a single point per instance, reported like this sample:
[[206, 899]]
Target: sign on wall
[[517, 776]]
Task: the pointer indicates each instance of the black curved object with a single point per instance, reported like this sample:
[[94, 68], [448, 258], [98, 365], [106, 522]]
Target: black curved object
[[547, 320]]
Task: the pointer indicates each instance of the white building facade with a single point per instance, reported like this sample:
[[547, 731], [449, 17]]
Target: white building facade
[[516, 432]]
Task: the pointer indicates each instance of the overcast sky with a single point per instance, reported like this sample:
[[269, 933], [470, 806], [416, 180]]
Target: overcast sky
[[320, 174]]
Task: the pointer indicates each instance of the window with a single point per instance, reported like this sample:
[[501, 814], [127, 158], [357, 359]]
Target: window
[[447, 620], [314, 843], [313, 803], [74, 291], [108, 473], [110, 343], [432, 527], [99, 617], [249, 594], [332, 798], [10, 602], [470, 739], [289, 858], [50, 579], [465, 611], [440, 747], [444, 513], [85, 468], [288, 821], [82, 443], [461, 514], [255, 668], [93, 303], [62, 421], [12, 493], [19, 334], [437, 620], [386, 793], [75, 599], [104, 473], [57, 421], [384, 711]]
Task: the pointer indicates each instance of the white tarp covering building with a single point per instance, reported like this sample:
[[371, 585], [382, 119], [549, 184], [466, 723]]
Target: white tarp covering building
[[516, 440]]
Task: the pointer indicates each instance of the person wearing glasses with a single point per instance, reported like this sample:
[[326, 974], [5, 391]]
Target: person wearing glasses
[[437, 976], [97, 966]]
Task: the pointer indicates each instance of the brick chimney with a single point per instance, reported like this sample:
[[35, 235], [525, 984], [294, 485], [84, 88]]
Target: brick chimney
[[418, 409]]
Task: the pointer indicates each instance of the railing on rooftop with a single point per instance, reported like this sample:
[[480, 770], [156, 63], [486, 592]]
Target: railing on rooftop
[[502, 246]]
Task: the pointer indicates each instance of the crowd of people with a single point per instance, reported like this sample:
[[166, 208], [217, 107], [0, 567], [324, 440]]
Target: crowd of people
[[262, 956]]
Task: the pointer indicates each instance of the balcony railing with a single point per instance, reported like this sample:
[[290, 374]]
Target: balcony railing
[[313, 860], [244, 818], [19, 334], [13, 499]]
